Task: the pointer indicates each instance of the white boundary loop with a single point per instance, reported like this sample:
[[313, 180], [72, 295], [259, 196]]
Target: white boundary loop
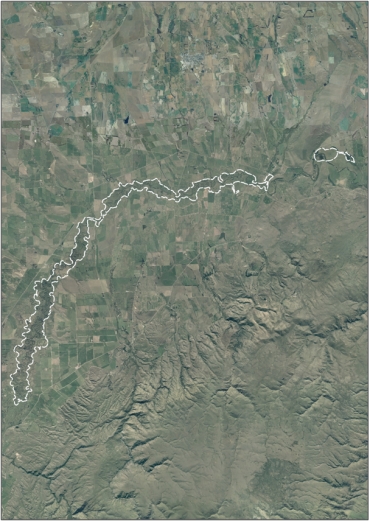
[[177, 197], [347, 156]]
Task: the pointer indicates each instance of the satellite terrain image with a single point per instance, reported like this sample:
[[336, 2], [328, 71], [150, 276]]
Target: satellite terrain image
[[184, 260]]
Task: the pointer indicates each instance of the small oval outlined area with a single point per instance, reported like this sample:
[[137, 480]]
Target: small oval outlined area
[[319, 155]]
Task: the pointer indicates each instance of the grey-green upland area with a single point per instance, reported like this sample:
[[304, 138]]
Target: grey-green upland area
[[207, 359]]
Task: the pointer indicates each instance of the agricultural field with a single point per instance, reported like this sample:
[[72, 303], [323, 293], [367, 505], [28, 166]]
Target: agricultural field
[[205, 356]]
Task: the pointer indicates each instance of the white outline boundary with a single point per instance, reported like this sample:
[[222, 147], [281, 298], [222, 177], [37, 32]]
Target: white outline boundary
[[178, 196], [347, 156]]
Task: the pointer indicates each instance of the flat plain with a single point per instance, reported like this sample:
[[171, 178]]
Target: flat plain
[[207, 359]]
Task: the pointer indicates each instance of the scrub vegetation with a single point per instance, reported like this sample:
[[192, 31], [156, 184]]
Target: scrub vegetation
[[206, 359]]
